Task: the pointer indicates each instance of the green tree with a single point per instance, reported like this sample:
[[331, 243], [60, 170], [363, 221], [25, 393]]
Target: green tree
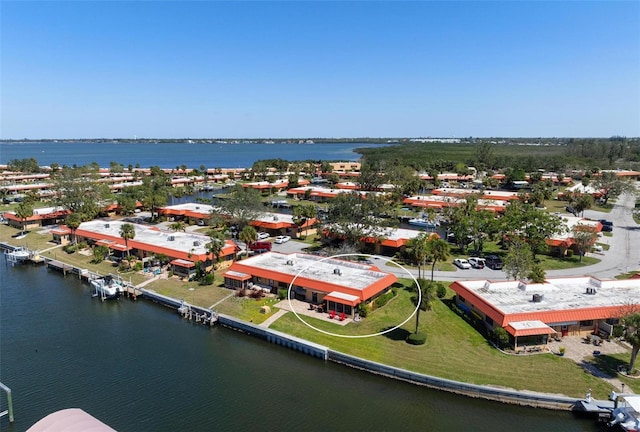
[[214, 247], [127, 232], [631, 324], [178, 226], [537, 274], [303, 213], [100, 253], [23, 212], [26, 165], [78, 189], [429, 294], [518, 262], [247, 235], [352, 217], [241, 206], [73, 221], [371, 175], [462, 220], [500, 337], [524, 223], [417, 250], [612, 186], [584, 237], [582, 202], [437, 250], [154, 190]]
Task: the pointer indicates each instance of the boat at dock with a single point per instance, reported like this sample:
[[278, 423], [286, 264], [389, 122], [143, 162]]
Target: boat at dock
[[626, 414], [423, 223], [107, 287], [18, 254]]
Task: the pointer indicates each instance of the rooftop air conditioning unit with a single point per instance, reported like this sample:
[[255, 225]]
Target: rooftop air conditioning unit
[[591, 290], [107, 225], [171, 238], [537, 298], [289, 262], [196, 243], [337, 271]]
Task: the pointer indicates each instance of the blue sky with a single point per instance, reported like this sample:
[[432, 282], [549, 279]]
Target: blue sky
[[319, 69]]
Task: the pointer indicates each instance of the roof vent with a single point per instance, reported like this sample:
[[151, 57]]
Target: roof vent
[[591, 290], [171, 238], [275, 218], [107, 225], [289, 262], [197, 207], [537, 298], [337, 271]]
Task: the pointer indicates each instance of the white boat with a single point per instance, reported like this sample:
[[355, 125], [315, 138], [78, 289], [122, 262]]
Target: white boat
[[626, 415], [424, 223], [19, 254], [107, 287]]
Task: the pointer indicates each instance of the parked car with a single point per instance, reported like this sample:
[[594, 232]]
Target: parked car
[[476, 262], [607, 228], [605, 222], [260, 246], [494, 262], [462, 263], [263, 236], [282, 239]]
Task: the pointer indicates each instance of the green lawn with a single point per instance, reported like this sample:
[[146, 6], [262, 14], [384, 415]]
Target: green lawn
[[248, 309], [454, 350]]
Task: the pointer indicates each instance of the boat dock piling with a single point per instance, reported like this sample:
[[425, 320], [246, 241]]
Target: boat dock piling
[[9, 409]]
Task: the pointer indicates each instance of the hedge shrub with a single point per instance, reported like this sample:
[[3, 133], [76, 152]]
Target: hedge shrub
[[416, 338]]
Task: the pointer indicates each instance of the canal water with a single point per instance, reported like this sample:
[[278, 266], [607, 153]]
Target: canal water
[[139, 367]]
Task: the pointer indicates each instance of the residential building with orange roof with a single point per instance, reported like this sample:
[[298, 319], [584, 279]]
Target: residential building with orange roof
[[532, 312], [189, 212], [279, 223], [337, 284], [187, 248], [440, 202], [41, 217], [560, 243]]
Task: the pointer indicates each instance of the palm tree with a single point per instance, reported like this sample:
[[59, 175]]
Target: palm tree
[[214, 247], [178, 226], [302, 213], [248, 235], [632, 335], [437, 250], [427, 288], [417, 250], [127, 232], [24, 211], [73, 221]]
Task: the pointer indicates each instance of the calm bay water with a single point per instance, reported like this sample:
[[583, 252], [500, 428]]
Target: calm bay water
[[170, 155], [140, 367]]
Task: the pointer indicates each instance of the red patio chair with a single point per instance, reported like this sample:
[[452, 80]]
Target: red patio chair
[[342, 316], [332, 314]]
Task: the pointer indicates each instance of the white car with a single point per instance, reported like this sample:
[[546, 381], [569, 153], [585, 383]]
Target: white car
[[461, 263], [476, 262], [263, 236], [282, 239]]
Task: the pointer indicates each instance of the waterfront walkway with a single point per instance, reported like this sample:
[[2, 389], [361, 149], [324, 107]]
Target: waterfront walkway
[[579, 351]]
